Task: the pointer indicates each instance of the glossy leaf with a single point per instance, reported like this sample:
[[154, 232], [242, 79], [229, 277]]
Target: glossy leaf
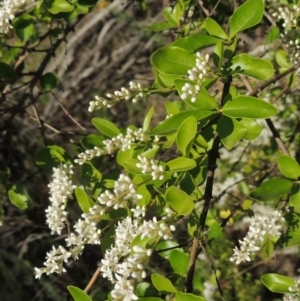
[[171, 124], [187, 297], [49, 81], [253, 128], [181, 164], [106, 127], [78, 294], [52, 156], [7, 72], [162, 284], [288, 166], [173, 14], [179, 262], [90, 173], [59, 6], [173, 60], [20, 198], [295, 198], [186, 134], [277, 283], [218, 54], [179, 201], [145, 289], [230, 131], [195, 42], [271, 190], [204, 101], [91, 141], [82, 199], [147, 120], [214, 29], [282, 59], [247, 15], [166, 245], [24, 28], [250, 66], [273, 34], [248, 107]]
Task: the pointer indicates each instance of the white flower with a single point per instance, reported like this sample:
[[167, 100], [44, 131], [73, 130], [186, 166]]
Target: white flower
[[190, 91], [201, 68], [123, 290], [61, 189], [260, 226], [150, 167]]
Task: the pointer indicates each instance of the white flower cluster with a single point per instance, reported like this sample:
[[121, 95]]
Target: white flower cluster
[[124, 190], [260, 227], [121, 141], [61, 189], [8, 10], [190, 91], [150, 167], [125, 265], [135, 91], [197, 74], [290, 17]]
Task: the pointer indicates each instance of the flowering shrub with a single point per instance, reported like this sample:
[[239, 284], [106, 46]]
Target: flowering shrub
[[166, 181]]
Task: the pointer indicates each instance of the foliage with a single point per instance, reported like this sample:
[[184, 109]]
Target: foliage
[[161, 202]]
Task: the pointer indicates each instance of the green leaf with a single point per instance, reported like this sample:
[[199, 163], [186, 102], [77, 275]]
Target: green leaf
[[187, 297], [172, 108], [91, 141], [90, 173], [295, 198], [250, 66], [253, 128], [218, 54], [20, 198], [195, 42], [181, 164], [247, 15], [130, 166], [273, 34], [186, 134], [147, 120], [162, 284], [59, 6], [179, 262], [288, 166], [278, 283], [215, 29], [49, 81], [160, 26], [7, 72], [230, 131], [173, 14], [248, 107], [271, 190], [24, 28], [52, 156], [166, 245], [173, 60], [83, 199], [106, 127], [78, 294], [179, 201], [171, 124], [282, 59], [204, 101], [145, 289]]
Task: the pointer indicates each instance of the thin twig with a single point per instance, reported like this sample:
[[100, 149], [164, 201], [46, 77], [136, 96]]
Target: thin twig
[[93, 280]]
